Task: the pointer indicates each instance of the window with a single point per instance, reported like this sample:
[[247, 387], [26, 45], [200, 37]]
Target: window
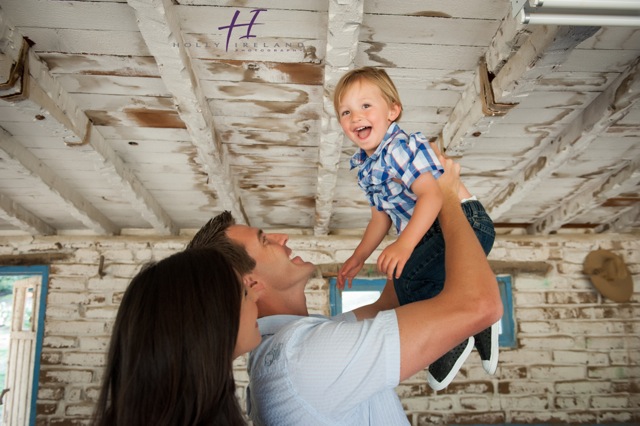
[[507, 323], [23, 292], [364, 291]]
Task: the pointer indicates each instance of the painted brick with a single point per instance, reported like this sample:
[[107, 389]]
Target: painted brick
[[87, 255], [66, 376], [64, 312], [67, 283], [84, 359], [108, 284], [58, 342], [120, 270], [610, 401], [576, 361], [51, 393], [620, 416], [614, 372], [576, 402], [82, 409], [94, 343], [74, 327], [118, 256], [570, 372], [474, 403], [74, 270], [106, 312], [578, 387]]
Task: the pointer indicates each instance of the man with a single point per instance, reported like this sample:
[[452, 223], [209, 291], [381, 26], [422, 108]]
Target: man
[[312, 370]]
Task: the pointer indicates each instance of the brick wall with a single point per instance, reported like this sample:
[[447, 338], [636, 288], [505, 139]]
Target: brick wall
[[577, 358]]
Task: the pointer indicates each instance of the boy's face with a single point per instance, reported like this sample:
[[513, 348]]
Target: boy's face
[[365, 115]]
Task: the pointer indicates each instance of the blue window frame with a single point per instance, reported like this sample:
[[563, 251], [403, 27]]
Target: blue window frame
[[366, 290], [43, 272]]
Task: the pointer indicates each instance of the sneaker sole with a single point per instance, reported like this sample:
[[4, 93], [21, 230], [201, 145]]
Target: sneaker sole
[[435, 384], [491, 364]]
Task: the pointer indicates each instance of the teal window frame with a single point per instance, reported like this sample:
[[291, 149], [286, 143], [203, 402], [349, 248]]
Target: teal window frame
[[43, 272], [507, 337]]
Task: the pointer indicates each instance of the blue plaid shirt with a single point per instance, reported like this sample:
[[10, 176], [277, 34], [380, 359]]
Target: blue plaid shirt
[[386, 177]]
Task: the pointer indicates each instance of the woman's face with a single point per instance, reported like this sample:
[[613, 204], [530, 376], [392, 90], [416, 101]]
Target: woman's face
[[248, 333]]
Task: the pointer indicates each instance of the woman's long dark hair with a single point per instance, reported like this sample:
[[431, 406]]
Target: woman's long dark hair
[[171, 351]]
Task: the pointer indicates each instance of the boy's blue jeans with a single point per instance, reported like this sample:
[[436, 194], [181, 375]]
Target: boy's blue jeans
[[423, 274]]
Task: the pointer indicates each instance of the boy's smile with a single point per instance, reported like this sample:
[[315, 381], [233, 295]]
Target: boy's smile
[[365, 115]]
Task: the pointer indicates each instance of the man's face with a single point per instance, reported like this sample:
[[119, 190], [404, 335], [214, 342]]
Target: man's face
[[273, 264]]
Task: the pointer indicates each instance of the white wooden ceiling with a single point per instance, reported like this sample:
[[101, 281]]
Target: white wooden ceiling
[[136, 116]]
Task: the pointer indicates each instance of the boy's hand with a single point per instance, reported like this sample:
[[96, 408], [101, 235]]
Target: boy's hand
[[394, 257], [348, 271]]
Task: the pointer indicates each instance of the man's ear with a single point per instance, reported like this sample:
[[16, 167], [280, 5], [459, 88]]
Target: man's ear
[[251, 282]]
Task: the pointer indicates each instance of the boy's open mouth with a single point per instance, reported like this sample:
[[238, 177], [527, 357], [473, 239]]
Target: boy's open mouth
[[363, 132]]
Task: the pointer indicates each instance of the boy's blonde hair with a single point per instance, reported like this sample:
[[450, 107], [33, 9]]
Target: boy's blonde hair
[[377, 76]]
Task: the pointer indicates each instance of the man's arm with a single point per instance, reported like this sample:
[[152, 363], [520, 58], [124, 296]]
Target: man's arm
[[387, 300], [470, 300]]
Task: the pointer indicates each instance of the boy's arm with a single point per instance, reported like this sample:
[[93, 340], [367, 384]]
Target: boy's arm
[[428, 203], [376, 231], [470, 300], [427, 207]]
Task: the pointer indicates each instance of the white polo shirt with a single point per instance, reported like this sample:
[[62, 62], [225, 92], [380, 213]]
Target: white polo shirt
[[321, 371]]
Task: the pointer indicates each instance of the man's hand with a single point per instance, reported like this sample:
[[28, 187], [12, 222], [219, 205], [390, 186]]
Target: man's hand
[[450, 179]]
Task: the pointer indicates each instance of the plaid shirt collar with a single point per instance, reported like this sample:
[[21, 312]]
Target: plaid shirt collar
[[360, 157]]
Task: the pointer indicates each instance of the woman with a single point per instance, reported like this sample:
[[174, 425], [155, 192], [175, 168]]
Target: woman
[[180, 324]]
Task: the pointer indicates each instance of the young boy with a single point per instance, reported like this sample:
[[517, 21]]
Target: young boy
[[398, 173]]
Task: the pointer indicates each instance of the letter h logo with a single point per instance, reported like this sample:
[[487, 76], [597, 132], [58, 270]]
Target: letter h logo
[[249, 25]]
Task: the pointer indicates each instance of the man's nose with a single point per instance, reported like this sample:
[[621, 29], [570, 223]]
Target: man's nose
[[279, 238]]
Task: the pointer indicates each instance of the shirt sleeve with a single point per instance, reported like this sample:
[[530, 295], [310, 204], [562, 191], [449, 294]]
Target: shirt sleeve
[[336, 365], [415, 157]]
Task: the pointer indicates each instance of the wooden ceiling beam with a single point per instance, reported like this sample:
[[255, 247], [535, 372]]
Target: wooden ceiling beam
[[159, 24], [624, 220], [517, 57], [24, 162], [39, 89], [21, 218], [597, 192], [609, 107], [343, 33]]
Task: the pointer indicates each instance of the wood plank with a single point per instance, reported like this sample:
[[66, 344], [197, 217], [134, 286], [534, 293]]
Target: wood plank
[[262, 92], [87, 41], [93, 101], [267, 124], [70, 15], [488, 9], [317, 5], [418, 56], [159, 24], [427, 30], [582, 60], [265, 109], [124, 66], [114, 85], [259, 72], [76, 205]]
